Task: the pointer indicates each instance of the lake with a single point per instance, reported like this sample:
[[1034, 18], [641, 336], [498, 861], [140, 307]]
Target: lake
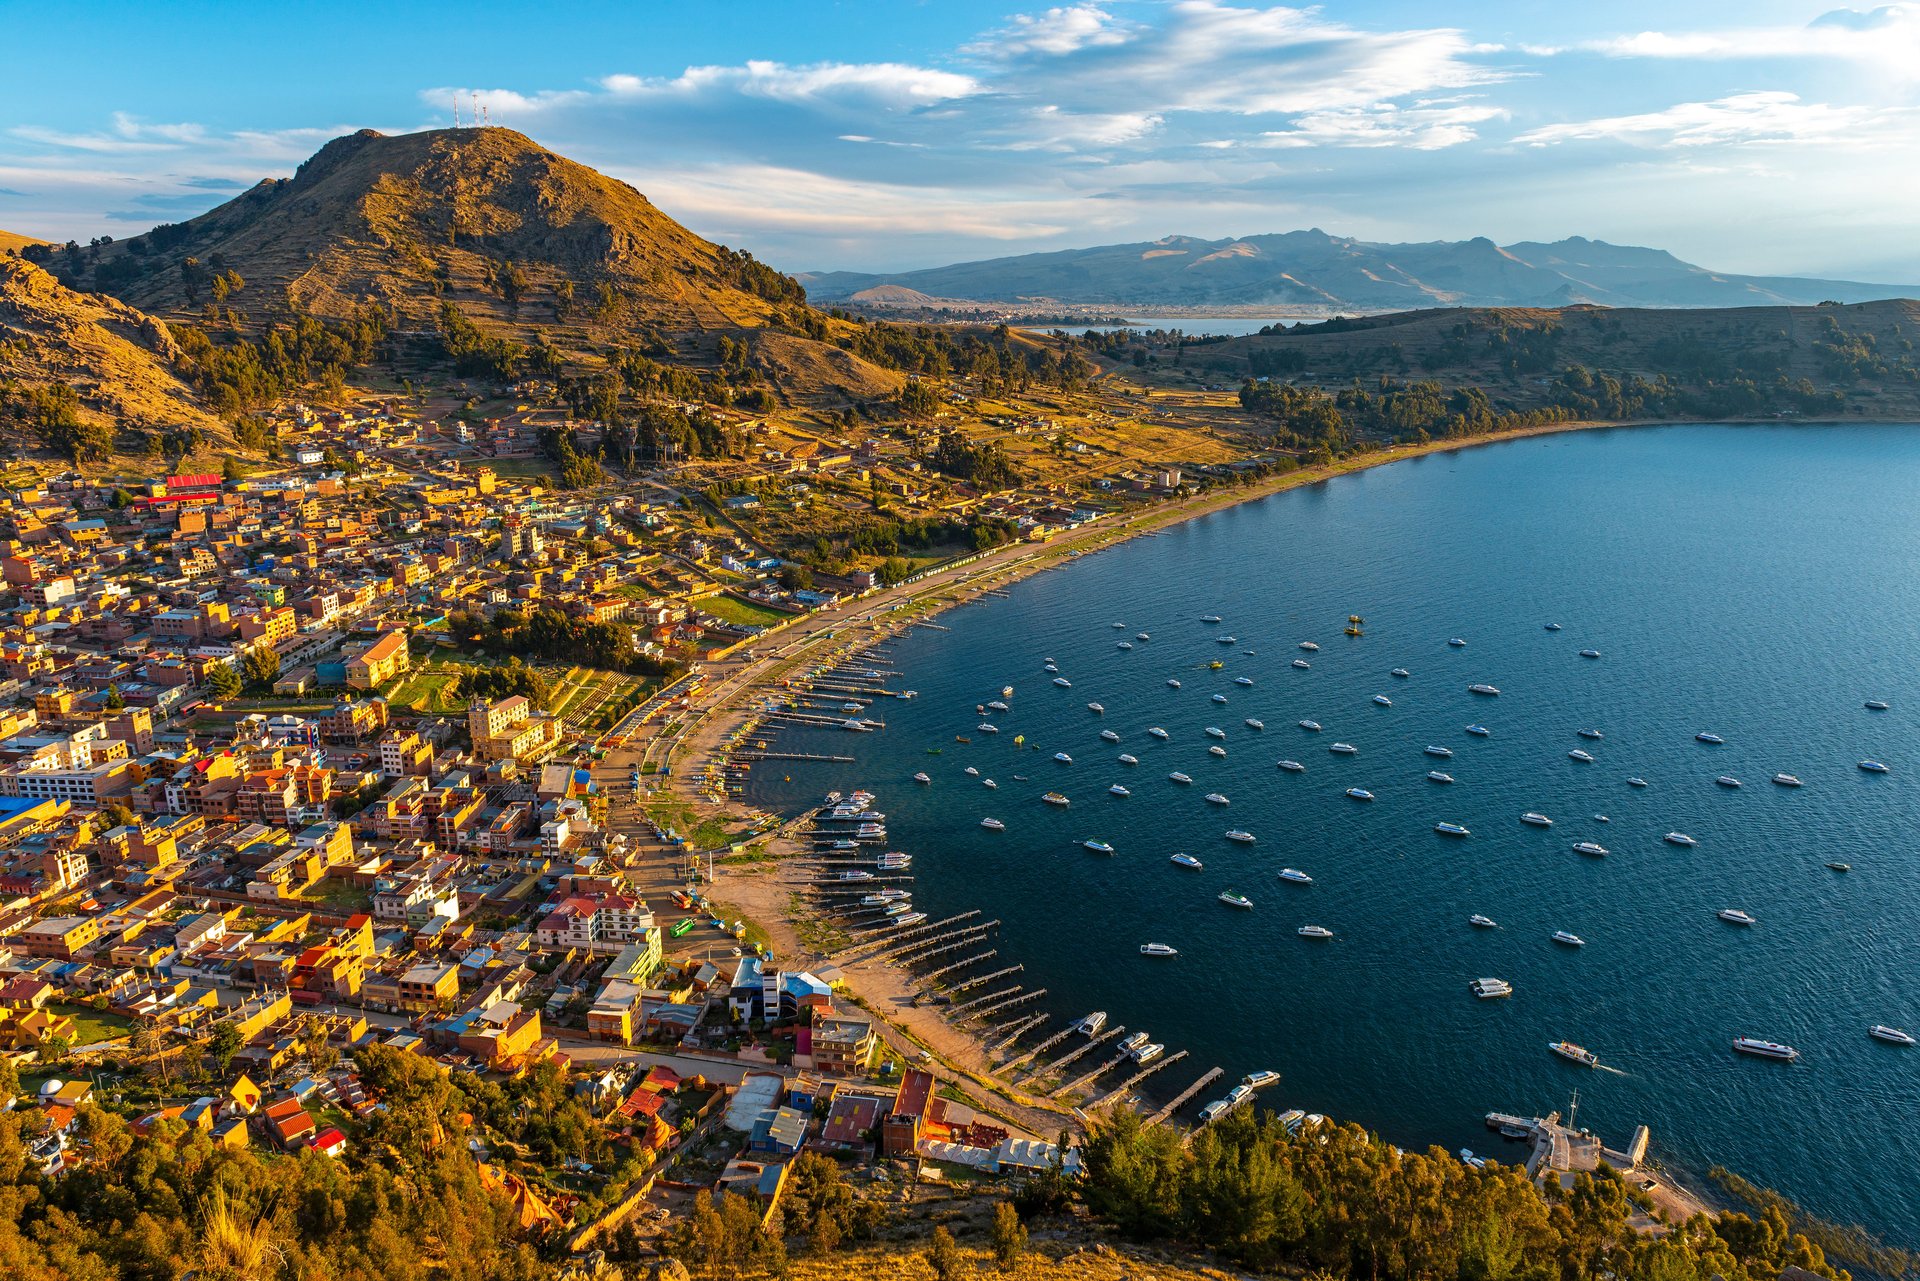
[[1231, 326], [1753, 582]]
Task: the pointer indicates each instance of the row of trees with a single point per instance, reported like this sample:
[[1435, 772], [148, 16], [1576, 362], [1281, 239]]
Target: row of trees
[[551, 635], [242, 377]]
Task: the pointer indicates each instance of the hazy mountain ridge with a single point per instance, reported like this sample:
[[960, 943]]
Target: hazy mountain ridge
[[1313, 268]]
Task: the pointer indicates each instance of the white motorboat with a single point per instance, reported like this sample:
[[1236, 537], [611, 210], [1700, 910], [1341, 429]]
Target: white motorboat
[[1585, 758], [1302, 664], [1096, 709], [987, 782], [1292, 767], [1108, 736], [922, 777], [971, 772], [1491, 691], [993, 825], [1226, 640], [1359, 793], [1127, 758], [1063, 758], [1571, 940], [1210, 618], [1157, 949], [1172, 683], [1381, 700], [1590, 733], [1457, 643], [1873, 767], [1764, 1049], [1119, 627], [1314, 932], [1575, 1053], [1157, 732], [1876, 705], [1312, 727], [1141, 636], [1231, 899], [1489, 988], [1891, 1035], [1118, 790], [1479, 731], [1098, 847], [1734, 916], [1215, 798], [1260, 1080], [997, 705], [1536, 819], [1787, 780], [987, 727], [1679, 838], [1451, 829], [1214, 731], [1344, 749], [1252, 723], [1216, 750], [1439, 776], [1712, 739], [1727, 780], [1219, 698], [1123, 645], [1553, 627], [1593, 849], [1243, 680], [1636, 782], [1245, 838], [1589, 653], [1400, 672], [1295, 875], [1091, 1025], [1187, 860], [1056, 798], [1442, 752], [1310, 647], [1178, 777], [1063, 682], [1480, 922]]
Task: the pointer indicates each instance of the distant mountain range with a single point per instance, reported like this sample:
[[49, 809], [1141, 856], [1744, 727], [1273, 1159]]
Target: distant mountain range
[[1312, 268]]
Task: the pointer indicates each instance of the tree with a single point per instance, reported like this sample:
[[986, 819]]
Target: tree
[[223, 682], [121, 499], [115, 700], [943, 1256], [232, 469], [224, 1044], [261, 667], [1009, 1235]]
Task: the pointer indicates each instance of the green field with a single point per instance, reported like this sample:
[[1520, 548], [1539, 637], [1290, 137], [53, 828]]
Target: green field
[[730, 609], [91, 1025]]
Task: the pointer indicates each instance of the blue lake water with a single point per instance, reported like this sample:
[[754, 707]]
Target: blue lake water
[[1232, 326], [1754, 582]]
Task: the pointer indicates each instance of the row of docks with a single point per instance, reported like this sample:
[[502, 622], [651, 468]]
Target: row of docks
[[953, 959]]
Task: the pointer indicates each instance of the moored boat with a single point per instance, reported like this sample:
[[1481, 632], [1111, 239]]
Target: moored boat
[[1178, 777], [1187, 860], [1098, 847], [1591, 848], [1575, 1053], [1232, 899], [1295, 875], [1314, 932], [1787, 780], [1439, 776], [1584, 757], [1570, 939], [1055, 798], [1091, 1025], [1491, 691], [1344, 749], [1359, 793], [1765, 1049], [1245, 838], [1157, 949], [1734, 916], [1891, 1035], [1679, 838], [993, 825], [1535, 819], [1489, 988], [1292, 767], [1480, 922], [1479, 731], [1451, 829]]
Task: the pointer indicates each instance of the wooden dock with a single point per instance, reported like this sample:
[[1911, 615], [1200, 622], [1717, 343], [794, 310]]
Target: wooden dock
[[1001, 1000], [970, 984], [1120, 1091], [1071, 1055], [1014, 1031], [1038, 1050], [1181, 1099], [961, 964], [1086, 1078]]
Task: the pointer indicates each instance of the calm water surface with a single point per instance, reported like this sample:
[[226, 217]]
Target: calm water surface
[[1755, 582]]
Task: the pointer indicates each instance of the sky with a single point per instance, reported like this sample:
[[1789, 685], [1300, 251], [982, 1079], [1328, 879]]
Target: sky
[[1766, 137]]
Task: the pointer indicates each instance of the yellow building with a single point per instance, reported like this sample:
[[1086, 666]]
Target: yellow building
[[374, 666]]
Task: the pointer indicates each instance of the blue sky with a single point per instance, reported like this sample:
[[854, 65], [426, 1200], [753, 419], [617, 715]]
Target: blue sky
[[1760, 137]]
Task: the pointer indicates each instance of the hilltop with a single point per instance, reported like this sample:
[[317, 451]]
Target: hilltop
[[1313, 268], [14, 242], [118, 361], [526, 244]]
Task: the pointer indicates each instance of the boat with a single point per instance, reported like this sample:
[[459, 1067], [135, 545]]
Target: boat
[[1536, 819], [1051, 666], [1063, 758], [1381, 700], [1243, 680], [1400, 672], [1252, 723], [1553, 627], [1118, 790], [1359, 793], [1310, 647], [1295, 875], [1219, 698], [1292, 767], [1134, 1042], [1119, 627], [1234, 900], [1127, 758], [1215, 665], [997, 705], [1172, 683], [1451, 829], [987, 782], [1157, 732], [1124, 645], [1704, 737], [1727, 780], [911, 918], [1488, 988], [1312, 727], [1091, 1025], [1006, 691], [1215, 798], [1096, 709], [1344, 749], [1439, 776], [1148, 1053], [1260, 1080], [993, 825], [1314, 932], [1636, 782], [1876, 705], [1216, 750], [1098, 847], [1157, 949], [1214, 731], [1187, 860], [922, 777], [1479, 731], [1215, 1110], [1765, 1049], [1590, 733], [986, 727], [1734, 916], [1302, 664], [1571, 940], [1109, 736], [1589, 653], [1178, 777], [1141, 636], [1063, 682], [1575, 1054], [1480, 922], [1245, 838], [1891, 1035], [971, 772], [1226, 640], [1490, 691], [1210, 618], [1873, 767], [1442, 752], [1788, 780], [1583, 757], [1590, 848], [1457, 643], [1055, 798]]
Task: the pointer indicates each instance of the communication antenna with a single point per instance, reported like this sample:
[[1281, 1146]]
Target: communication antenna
[[456, 111], [474, 115]]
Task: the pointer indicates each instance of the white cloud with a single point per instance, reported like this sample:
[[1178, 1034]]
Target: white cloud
[[1421, 127], [1053, 33], [1888, 35], [887, 85], [1745, 118]]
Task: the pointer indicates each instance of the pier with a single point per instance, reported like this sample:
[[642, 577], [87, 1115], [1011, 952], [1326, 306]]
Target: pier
[[1050, 1068], [792, 756], [963, 964], [973, 936], [1120, 1091], [970, 984], [997, 1001], [1014, 1031], [1186, 1095], [1087, 1078], [1038, 1050], [930, 926]]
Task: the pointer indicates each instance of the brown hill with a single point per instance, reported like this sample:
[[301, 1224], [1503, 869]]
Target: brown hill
[[13, 242], [117, 360], [527, 244]]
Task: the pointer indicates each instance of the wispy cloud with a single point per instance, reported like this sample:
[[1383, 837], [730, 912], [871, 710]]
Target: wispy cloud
[[1742, 119], [1889, 34]]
